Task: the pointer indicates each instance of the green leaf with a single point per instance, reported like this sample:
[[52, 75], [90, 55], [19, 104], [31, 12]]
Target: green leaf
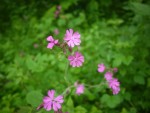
[[118, 59], [115, 21], [111, 101], [90, 95], [124, 110], [70, 104], [95, 110], [34, 98], [127, 60], [133, 110], [139, 8], [24, 109], [80, 109], [139, 79], [127, 96]]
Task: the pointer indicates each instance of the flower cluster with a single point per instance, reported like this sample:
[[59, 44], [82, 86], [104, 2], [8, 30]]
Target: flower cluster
[[76, 59], [113, 83], [50, 102], [71, 39]]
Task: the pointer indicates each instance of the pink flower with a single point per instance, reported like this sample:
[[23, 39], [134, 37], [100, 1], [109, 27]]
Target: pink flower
[[114, 85], [76, 60], [57, 13], [59, 7], [115, 70], [51, 102], [52, 42], [101, 68], [71, 38], [108, 76], [56, 31], [79, 89]]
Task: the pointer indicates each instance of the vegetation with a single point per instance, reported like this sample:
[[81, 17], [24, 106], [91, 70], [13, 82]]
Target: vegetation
[[114, 32]]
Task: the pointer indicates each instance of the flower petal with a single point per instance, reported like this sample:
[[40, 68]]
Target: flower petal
[[46, 99], [70, 58], [51, 93], [55, 106], [50, 38], [58, 105], [48, 106], [59, 99], [70, 43], [70, 31], [50, 45], [76, 35], [56, 41]]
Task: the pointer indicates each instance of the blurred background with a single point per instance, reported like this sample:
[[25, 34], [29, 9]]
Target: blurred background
[[115, 32]]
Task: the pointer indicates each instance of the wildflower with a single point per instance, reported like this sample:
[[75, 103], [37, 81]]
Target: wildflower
[[71, 38], [76, 60], [108, 76], [56, 31], [114, 85], [101, 68], [59, 7], [51, 102], [115, 69], [52, 42], [57, 13], [79, 89]]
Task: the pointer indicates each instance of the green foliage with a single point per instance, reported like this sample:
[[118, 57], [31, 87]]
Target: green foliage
[[34, 98], [113, 32], [111, 101]]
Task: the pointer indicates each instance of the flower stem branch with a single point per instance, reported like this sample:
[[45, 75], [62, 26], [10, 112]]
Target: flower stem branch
[[67, 89], [87, 85], [97, 85]]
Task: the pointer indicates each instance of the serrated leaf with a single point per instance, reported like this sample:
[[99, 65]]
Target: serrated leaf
[[34, 98], [80, 109]]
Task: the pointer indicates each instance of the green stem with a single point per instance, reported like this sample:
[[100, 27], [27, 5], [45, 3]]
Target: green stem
[[66, 72], [67, 89], [87, 85], [97, 85]]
